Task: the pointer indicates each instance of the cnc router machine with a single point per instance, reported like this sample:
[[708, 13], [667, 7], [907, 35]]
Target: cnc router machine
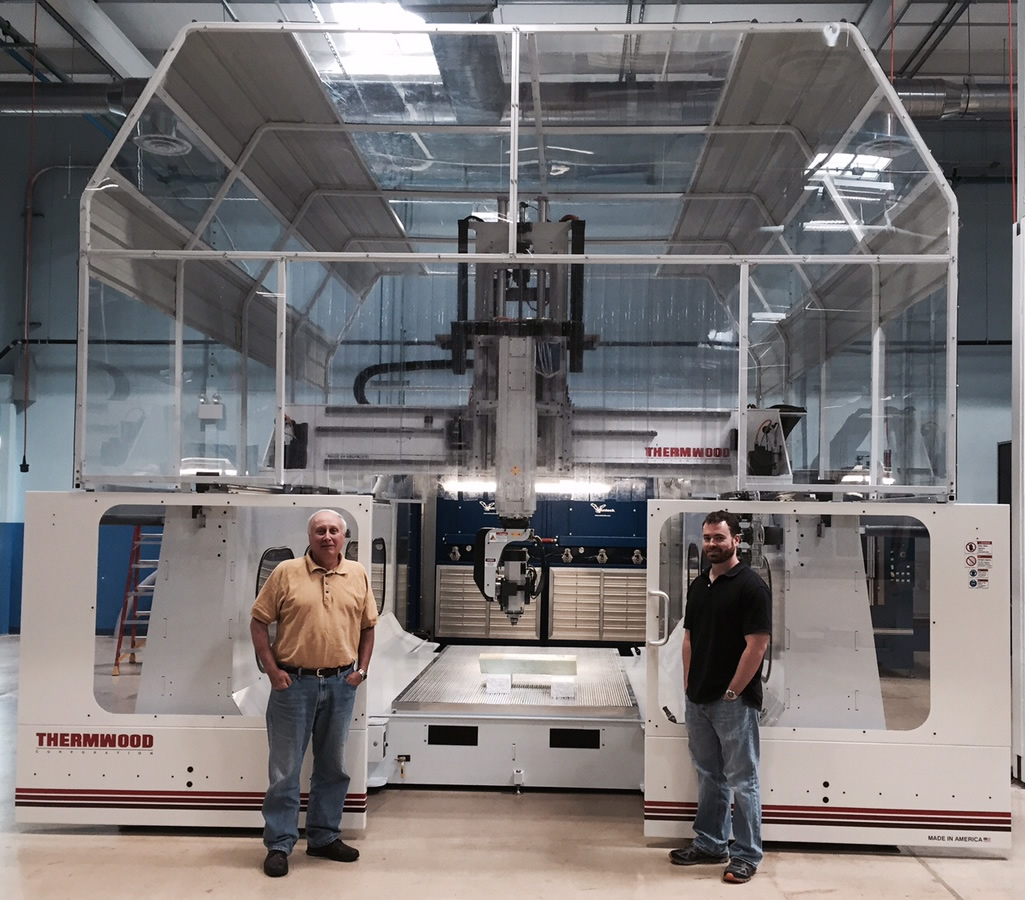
[[619, 267]]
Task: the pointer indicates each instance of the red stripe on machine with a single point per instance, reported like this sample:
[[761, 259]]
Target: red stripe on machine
[[113, 799], [981, 820]]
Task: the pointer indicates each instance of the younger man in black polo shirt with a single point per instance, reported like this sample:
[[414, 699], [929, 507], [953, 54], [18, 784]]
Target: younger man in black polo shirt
[[726, 632]]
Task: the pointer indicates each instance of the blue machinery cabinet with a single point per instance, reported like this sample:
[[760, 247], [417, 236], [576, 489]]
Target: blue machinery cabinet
[[595, 588]]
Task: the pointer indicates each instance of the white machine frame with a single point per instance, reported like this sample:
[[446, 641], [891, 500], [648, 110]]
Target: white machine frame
[[944, 783], [80, 763]]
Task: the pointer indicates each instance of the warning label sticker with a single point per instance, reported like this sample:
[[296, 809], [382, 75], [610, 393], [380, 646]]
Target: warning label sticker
[[978, 561]]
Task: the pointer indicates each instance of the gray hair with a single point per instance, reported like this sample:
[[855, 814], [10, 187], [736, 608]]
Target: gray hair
[[333, 512]]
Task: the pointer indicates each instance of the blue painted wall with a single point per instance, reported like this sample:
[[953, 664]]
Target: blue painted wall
[[12, 540], [112, 570]]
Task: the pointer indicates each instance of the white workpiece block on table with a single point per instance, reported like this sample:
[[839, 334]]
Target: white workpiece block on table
[[498, 684], [564, 687], [528, 664]]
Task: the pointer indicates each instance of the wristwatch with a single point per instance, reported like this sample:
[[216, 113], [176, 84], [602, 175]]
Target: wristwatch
[[362, 673], [730, 695]]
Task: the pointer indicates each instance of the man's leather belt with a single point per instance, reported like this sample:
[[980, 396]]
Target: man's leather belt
[[322, 672]]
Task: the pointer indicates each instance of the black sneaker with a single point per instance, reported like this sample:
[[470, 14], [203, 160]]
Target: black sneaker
[[276, 864], [738, 872], [694, 856], [336, 850]]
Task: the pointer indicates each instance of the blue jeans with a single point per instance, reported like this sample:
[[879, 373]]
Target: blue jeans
[[321, 708], [724, 746]]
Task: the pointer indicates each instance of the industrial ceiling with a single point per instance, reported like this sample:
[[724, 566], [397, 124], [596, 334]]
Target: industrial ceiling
[[104, 39]]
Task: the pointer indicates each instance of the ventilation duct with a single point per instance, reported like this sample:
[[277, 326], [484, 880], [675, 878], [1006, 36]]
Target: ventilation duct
[[471, 71], [67, 99], [939, 98], [924, 98], [637, 102]]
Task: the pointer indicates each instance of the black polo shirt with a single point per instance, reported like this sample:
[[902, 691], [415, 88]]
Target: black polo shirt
[[718, 616]]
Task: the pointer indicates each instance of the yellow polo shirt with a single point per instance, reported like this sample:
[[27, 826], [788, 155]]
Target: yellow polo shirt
[[319, 612]]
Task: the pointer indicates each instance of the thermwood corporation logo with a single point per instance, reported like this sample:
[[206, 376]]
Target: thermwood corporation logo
[[47, 740], [688, 452]]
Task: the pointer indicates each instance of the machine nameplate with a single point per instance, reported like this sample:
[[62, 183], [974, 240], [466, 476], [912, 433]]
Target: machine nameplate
[[49, 740], [687, 452]]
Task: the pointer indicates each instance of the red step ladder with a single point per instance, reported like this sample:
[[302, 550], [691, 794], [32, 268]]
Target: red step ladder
[[133, 621]]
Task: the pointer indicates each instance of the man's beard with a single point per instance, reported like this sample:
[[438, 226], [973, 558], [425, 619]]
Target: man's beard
[[721, 554]]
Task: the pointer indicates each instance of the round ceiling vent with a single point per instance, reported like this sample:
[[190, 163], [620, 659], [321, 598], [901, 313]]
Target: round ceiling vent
[[886, 145], [162, 144]]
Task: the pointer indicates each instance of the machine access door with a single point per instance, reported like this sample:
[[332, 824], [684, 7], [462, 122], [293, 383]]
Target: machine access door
[[176, 735], [886, 624]]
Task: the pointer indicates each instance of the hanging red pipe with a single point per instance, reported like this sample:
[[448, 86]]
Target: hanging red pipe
[[27, 312], [1010, 83]]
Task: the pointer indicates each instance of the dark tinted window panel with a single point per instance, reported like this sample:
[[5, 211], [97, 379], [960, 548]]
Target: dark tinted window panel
[[574, 738], [452, 735]]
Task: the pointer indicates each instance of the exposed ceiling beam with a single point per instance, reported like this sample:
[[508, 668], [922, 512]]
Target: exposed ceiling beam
[[875, 22], [93, 28], [933, 37]]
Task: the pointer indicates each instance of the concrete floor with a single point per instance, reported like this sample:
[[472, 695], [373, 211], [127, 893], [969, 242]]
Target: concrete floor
[[467, 844]]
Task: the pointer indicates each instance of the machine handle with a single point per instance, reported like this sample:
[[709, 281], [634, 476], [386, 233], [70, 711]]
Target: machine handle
[[663, 617]]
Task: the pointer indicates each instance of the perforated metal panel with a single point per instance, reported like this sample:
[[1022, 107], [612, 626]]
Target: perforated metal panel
[[598, 604], [453, 683], [587, 605], [463, 612], [624, 596], [576, 604]]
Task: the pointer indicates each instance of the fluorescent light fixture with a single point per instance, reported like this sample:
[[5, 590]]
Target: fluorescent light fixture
[[387, 55], [468, 486], [563, 486], [866, 189], [864, 198], [572, 486], [826, 225], [768, 316], [862, 166], [858, 475], [854, 184]]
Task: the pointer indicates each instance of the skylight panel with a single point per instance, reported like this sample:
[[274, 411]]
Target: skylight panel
[[370, 55]]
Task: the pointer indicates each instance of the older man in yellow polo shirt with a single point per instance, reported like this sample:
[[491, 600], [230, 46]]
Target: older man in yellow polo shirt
[[325, 612]]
